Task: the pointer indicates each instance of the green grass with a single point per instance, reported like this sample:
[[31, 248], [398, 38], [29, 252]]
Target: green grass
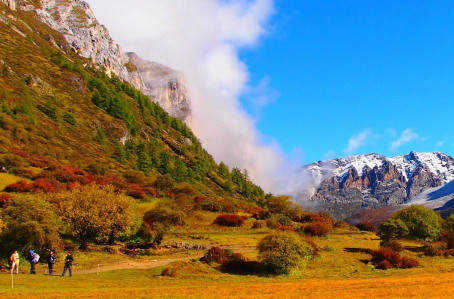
[[7, 179]]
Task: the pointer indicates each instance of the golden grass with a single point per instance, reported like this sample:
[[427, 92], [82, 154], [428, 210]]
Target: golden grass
[[7, 179]]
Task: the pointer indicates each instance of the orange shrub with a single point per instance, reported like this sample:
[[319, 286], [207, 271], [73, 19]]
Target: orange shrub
[[386, 258], [317, 229], [4, 198], [215, 255], [366, 226], [232, 220], [20, 186]]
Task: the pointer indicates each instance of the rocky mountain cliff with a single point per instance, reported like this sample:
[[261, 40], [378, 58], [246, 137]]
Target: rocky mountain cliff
[[75, 20], [349, 185]]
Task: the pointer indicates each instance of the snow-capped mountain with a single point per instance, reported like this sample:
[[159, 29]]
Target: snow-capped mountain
[[349, 185]]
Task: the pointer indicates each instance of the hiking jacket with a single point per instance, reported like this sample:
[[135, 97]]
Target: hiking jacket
[[51, 259], [69, 260]]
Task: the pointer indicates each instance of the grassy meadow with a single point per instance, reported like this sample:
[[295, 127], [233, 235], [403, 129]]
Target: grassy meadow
[[342, 271]]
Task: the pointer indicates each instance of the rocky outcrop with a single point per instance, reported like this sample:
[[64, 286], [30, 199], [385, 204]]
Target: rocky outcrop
[[162, 85], [84, 35], [10, 3], [77, 22], [373, 181]]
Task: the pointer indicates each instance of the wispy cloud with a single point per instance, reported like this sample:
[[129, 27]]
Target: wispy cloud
[[440, 143], [358, 140], [203, 38], [329, 155], [405, 137]]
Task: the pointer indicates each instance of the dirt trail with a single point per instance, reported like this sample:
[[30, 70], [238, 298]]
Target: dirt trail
[[154, 263]]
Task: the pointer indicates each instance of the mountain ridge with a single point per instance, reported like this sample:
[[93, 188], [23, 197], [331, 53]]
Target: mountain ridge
[[348, 185]]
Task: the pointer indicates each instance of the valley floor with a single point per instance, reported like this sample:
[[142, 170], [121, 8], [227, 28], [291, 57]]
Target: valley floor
[[342, 271]]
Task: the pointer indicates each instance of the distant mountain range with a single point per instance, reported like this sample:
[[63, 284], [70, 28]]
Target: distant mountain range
[[347, 186]]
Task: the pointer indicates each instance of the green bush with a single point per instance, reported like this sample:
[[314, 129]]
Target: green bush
[[392, 229], [422, 223], [282, 251]]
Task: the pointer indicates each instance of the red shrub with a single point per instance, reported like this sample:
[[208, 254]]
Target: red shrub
[[386, 253], [46, 185], [4, 198], [408, 262], [233, 220], [39, 163], [19, 152], [135, 191], [318, 229], [254, 210], [286, 228], [150, 191], [366, 226], [20, 186], [310, 217], [384, 265], [215, 255], [169, 194], [393, 244]]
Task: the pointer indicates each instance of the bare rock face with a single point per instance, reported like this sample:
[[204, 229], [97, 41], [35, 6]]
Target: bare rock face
[[10, 3], [372, 181], [162, 85], [76, 21]]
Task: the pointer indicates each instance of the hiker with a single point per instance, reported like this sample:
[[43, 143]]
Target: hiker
[[68, 264], [14, 262], [33, 258], [50, 262]]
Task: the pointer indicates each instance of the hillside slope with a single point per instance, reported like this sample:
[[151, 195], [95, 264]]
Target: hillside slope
[[58, 109]]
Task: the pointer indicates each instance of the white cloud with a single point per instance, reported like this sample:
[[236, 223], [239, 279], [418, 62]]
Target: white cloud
[[440, 143], [203, 38], [358, 140], [329, 155], [406, 136]]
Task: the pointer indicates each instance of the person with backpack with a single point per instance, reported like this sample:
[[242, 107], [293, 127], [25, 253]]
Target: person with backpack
[[50, 262], [69, 259], [14, 262], [33, 258]]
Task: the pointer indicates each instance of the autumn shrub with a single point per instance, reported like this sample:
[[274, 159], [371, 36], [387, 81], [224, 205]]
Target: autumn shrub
[[366, 226], [310, 217], [408, 263], [328, 218], [432, 250], [4, 199], [341, 224], [232, 220], [393, 244], [23, 172], [259, 224], [215, 255], [46, 185], [20, 186], [317, 229], [135, 191], [385, 258]]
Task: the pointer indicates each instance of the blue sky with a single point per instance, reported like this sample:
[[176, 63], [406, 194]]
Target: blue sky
[[354, 77]]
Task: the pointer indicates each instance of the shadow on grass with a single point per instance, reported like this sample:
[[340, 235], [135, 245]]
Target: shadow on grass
[[416, 249], [357, 250]]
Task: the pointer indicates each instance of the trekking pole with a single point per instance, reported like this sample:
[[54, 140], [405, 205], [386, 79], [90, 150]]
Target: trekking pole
[[12, 280]]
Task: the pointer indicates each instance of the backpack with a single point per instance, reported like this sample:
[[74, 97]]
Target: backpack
[[35, 258]]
